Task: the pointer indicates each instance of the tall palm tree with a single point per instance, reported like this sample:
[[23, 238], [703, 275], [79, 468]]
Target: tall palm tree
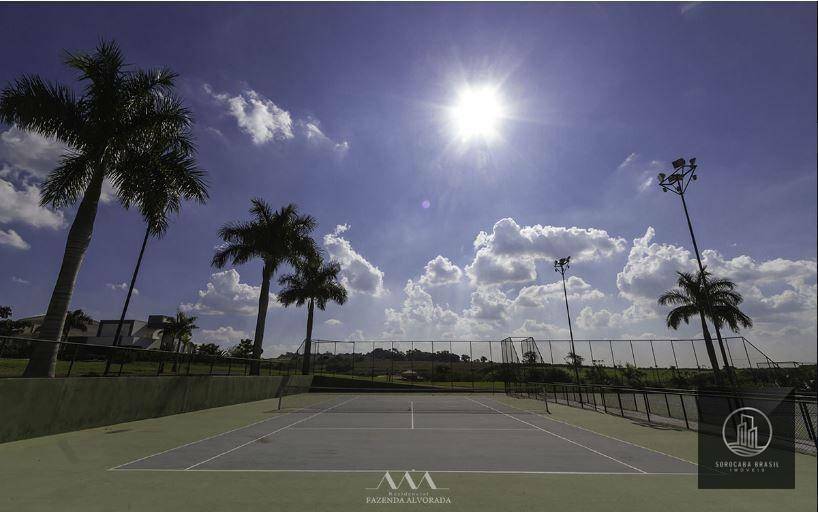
[[105, 129], [314, 283], [724, 301], [275, 237], [166, 177], [690, 300], [76, 319]]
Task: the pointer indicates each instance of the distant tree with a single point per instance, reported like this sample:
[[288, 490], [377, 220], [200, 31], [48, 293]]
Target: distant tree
[[244, 349], [530, 357], [465, 358], [209, 349], [275, 237], [574, 360], [483, 359], [78, 320], [9, 327]]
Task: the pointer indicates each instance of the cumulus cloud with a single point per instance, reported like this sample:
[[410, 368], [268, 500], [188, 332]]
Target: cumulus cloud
[[19, 280], [509, 253], [22, 204], [264, 121], [11, 239], [225, 294], [221, 335], [440, 271], [121, 287], [333, 322], [541, 330], [538, 295], [489, 303], [418, 315], [357, 274], [29, 152]]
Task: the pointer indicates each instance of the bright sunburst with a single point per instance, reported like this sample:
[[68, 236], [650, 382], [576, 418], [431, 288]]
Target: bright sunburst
[[477, 113]]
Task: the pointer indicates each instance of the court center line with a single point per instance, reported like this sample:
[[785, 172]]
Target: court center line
[[603, 435], [271, 433], [559, 436], [216, 435]]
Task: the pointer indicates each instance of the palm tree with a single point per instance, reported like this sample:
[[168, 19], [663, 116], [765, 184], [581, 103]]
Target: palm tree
[[76, 319], [167, 176], [314, 283], [105, 128], [724, 301], [180, 330], [275, 237], [690, 299]]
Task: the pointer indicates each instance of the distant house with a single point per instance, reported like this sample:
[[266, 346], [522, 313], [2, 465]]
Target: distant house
[[148, 335]]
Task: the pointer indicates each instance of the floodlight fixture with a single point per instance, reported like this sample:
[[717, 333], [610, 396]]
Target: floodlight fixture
[[678, 163]]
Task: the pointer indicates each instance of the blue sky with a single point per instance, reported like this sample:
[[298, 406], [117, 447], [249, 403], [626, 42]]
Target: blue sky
[[345, 111]]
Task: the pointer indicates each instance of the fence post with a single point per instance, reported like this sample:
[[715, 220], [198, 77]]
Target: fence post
[[684, 410], [212, 361], [807, 419], [619, 399], [604, 404], [647, 405], [655, 364], [229, 364]]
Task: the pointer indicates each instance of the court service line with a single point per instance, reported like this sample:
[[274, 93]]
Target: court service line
[[271, 433], [601, 434], [559, 436], [217, 435], [478, 429]]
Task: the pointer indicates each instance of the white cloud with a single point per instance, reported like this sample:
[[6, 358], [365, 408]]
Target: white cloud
[[490, 304], [121, 287], [357, 274], [225, 294], [23, 205], [264, 121], [333, 322], [627, 161], [540, 330], [509, 253], [12, 239], [538, 295], [256, 115], [440, 271], [19, 280], [220, 335], [29, 152], [418, 315]]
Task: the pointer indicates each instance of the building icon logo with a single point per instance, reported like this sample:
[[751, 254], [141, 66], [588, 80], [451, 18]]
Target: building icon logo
[[747, 432]]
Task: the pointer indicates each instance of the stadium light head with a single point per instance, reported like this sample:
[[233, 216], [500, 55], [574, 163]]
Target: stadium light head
[[693, 161], [662, 177], [678, 163]]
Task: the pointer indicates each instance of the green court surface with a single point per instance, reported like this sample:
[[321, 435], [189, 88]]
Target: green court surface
[[110, 468]]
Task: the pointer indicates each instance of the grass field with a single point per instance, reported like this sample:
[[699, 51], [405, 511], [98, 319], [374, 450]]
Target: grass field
[[70, 472]]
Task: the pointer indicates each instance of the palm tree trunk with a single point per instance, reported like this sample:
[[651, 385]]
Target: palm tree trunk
[[128, 296], [711, 351], [263, 303], [43, 360], [305, 369]]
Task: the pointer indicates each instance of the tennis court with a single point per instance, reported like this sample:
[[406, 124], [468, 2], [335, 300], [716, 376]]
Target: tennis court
[[379, 432]]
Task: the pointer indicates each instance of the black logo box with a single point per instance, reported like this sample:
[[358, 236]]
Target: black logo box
[[720, 419]]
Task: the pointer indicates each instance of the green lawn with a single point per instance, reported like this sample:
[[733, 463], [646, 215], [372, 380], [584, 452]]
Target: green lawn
[[68, 472]]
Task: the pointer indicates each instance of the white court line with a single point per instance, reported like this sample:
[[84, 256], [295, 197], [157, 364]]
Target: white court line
[[412, 409], [559, 436], [417, 428], [381, 471], [271, 433], [603, 435], [216, 435]]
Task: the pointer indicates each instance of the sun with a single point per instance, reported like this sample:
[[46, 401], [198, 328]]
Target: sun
[[477, 113]]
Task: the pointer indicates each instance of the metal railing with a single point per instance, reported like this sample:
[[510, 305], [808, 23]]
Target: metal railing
[[673, 407], [89, 360]]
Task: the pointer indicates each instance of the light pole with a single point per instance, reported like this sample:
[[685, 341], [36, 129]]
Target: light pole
[[677, 182], [561, 265]]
